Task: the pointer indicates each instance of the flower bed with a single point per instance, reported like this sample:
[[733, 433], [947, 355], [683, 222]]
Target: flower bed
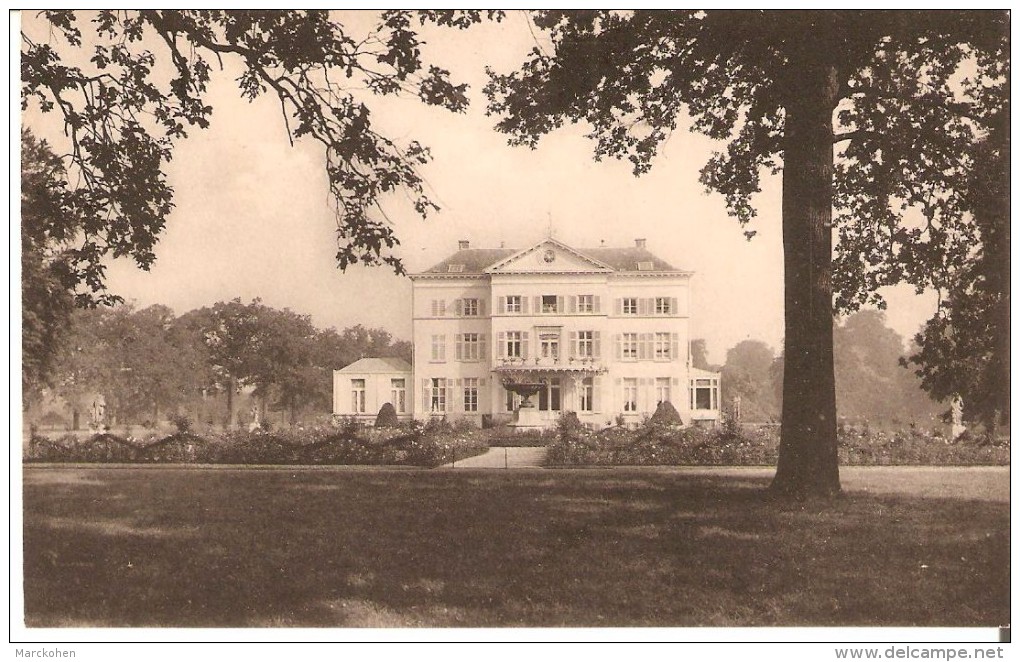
[[409, 445], [728, 445]]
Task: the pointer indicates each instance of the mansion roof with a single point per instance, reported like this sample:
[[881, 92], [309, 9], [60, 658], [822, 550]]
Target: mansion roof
[[628, 259], [384, 365]]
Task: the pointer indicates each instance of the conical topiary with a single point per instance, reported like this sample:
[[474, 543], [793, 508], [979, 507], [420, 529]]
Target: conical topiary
[[666, 414], [387, 417]]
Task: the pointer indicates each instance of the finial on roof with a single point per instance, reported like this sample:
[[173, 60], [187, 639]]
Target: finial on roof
[[602, 243]]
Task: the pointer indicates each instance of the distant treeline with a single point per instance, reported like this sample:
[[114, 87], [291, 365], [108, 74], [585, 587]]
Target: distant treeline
[[872, 385], [149, 364]]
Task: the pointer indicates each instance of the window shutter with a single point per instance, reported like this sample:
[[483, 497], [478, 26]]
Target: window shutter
[[642, 307], [560, 304], [481, 307], [442, 347], [619, 306], [459, 339], [457, 401], [524, 305], [425, 404], [619, 346], [597, 304], [643, 347], [459, 307], [674, 348], [502, 345], [572, 303], [573, 344], [674, 308], [442, 307], [596, 345], [538, 305], [618, 393], [524, 344], [596, 394], [501, 304], [435, 308], [482, 355]]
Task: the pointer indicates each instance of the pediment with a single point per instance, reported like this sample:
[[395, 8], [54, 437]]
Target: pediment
[[548, 256]]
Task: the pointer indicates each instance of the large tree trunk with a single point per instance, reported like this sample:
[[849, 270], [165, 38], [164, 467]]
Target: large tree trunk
[[808, 459]]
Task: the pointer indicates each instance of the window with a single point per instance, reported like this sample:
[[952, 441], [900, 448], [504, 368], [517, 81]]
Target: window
[[663, 306], [586, 343], [471, 394], [549, 303], [438, 394], [513, 344], [585, 303], [646, 265], [470, 347], [455, 268], [512, 401], [705, 394], [549, 346], [513, 303], [630, 394], [398, 395], [469, 307], [439, 307], [629, 346], [358, 396], [439, 348], [662, 389], [662, 346], [549, 396], [630, 306], [588, 394]]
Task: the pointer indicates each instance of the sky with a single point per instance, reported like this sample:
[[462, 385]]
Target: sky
[[253, 216]]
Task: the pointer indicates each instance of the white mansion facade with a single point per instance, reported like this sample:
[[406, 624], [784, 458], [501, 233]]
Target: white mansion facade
[[603, 332]]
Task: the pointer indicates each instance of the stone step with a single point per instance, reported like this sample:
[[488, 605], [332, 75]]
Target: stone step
[[502, 457]]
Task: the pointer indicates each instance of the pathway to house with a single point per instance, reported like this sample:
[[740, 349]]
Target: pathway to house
[[502, 457]]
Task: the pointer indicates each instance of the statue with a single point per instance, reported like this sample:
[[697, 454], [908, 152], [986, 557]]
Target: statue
[[97, 414], [256, 422], [956, 409]]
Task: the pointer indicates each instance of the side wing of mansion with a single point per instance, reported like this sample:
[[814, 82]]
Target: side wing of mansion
[[603, 332]]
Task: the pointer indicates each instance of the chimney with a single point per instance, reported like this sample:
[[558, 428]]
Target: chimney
[[602, 243], [463, 244], [640, 243]]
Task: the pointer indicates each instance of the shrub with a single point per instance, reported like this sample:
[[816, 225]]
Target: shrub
[[387, 417], [182, 422], [666, 414]]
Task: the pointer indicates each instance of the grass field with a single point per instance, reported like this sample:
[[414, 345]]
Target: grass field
[[402, 548]]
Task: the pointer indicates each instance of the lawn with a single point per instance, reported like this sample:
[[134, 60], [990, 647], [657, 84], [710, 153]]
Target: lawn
[[167, 546]]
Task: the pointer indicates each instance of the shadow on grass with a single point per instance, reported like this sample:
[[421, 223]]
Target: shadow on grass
[[524, 548]]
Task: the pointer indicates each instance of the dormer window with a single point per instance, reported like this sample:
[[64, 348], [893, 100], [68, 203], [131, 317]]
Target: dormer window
[[646, 266], [455, 268]]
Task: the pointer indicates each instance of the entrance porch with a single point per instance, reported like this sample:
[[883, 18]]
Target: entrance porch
[[538, 395]]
